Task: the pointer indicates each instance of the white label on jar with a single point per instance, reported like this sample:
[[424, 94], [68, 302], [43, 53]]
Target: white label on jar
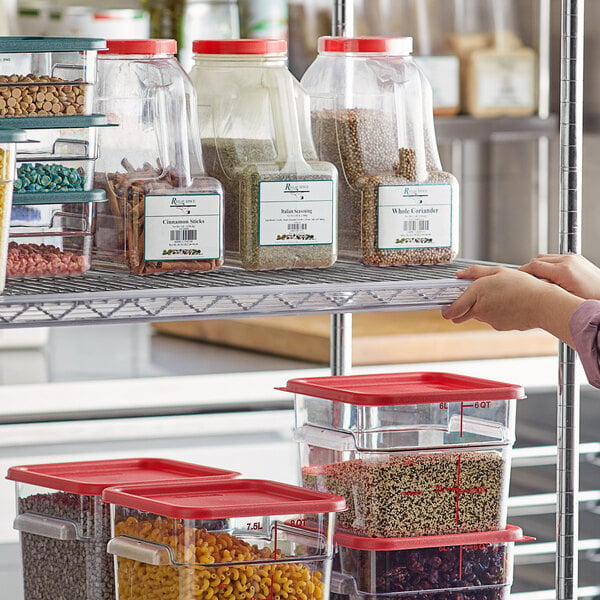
[[182, 227], [414, 216], [443, 73], [505, 81], [295, 213]]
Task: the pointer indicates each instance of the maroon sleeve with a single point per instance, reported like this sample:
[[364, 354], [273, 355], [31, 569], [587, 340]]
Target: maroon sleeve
[[585, 330]]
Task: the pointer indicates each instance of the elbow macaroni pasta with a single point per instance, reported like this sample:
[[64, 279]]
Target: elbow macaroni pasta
[[193, 578]]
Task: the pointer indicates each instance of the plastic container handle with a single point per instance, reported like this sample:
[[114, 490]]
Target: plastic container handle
[[145, 552], [57, 529], [285, 120]]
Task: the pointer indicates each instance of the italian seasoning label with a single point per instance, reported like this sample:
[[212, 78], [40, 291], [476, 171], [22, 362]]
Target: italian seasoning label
[[296, 213], [414, 216], [182, 227]]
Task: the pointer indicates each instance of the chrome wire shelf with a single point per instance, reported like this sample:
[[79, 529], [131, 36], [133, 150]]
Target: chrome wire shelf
[[99, 296]]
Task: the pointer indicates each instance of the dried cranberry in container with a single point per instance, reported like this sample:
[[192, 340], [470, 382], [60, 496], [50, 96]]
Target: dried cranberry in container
[[262, 539], [280, 200], [163, 213], [64, 524], [413, 453], [372, 116], [477, 566]]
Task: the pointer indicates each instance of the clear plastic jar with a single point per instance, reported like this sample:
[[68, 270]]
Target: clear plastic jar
[[372, 117], [163, 214], [280, 201]]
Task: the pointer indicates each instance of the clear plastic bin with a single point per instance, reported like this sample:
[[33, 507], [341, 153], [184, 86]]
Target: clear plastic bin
[[402, 493], [473, 566], [50, 233], [8, 140], [61, 138], [65, 525], [54, 176], [163, 213], [47, 76], [409, 410], [238, 538], [372, 117]]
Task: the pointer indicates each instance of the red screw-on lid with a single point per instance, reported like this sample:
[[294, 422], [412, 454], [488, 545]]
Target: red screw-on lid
[[154, 46], [388, 45], [239, 46]]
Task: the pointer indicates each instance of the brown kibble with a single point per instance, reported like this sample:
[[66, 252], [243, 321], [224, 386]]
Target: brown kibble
[[56, 108], [81, 99], [47, 106], [49, 96], [70, 110], [16, 92]]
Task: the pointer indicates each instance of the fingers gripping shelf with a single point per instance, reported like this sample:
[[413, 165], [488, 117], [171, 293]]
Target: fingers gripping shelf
[[230, 292]]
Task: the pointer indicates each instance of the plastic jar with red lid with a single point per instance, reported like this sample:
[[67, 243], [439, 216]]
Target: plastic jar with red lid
[[280, 200], [163, 213], [372, 117]]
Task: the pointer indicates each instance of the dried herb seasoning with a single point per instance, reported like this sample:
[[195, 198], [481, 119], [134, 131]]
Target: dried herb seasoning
[[242, 166]]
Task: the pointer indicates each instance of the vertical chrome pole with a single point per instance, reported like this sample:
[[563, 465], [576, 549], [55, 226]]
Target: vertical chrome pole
[[571, 134], [341, 324]]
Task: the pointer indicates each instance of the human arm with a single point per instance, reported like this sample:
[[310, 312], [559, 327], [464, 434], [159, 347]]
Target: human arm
[[510, 299], [572, 272]]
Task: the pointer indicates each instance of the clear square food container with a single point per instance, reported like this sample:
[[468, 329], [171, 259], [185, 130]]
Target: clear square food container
[[56, 139], [59, 155], [236, 539], [64, 524], [472, 566], [8, 140], [50, 233], [47, 76], [409, 410], [402, 493]]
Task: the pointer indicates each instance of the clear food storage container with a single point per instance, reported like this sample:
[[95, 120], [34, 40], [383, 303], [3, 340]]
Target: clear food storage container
[[47, 76], [163, 214], [280, 201], [50, 233], [477, 566], [499, 72], [58, 139], [401, 493], [8, 149], [412, 453], [65, 525], [393, 411], [228, 539], [372, 117]]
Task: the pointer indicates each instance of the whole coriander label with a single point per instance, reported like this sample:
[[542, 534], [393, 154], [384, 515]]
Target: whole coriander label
[[414, 216], [296, 213], [182, 227]]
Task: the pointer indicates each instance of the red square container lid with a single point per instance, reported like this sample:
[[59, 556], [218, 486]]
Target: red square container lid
[[92, 477], [201, 499], [510, 534], [403, 388]]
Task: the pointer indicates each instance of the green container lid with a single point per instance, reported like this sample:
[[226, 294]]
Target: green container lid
[[66, 122], [10, 135], [28, 44], [24, 198]]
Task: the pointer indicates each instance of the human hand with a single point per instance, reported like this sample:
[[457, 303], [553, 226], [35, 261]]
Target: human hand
[[510, 299], [571, 272]]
